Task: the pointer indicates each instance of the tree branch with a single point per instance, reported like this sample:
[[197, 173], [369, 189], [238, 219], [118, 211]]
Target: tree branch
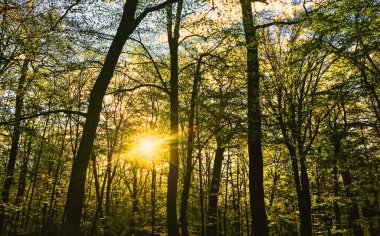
[[166, 89], [64, 15], [137, 87], [277, 23], [190, 36], [44, 114], [152, 9]]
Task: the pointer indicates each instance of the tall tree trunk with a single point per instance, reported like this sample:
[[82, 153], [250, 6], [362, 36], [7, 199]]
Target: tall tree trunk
[[354, 215], [245, 199], [212, 223], [238, 208], [134, 202], [306, 223], [297, 182], [153, 197], [15, 140], [372, 176], [173, 37], [189, 156], [200, 177], [336, 146], [226, 193], [99, 195], [75, 194], [256, 176], [235, 204], [301, 181], [107, 230], [274, 187]]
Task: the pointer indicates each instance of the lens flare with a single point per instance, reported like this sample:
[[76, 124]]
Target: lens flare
[[147, 146]]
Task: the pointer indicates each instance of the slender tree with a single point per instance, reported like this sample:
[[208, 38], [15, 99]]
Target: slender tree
[[75, 194], [173, 39], [190, 147], [256, 176]]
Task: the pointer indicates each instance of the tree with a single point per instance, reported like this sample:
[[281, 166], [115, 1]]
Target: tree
[[75, 194], [173, 37], [256, 179]]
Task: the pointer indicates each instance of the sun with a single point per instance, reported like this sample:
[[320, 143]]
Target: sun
[[147, 146]]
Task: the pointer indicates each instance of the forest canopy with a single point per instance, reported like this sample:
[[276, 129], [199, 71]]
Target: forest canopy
[[190, 117]]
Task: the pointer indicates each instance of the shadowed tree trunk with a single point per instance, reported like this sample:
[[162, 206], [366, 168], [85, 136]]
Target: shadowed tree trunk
[[173, 36], [99, 195], [237, 206], [212, 223], [190, 147], [336, 146], [306, 222], [245, 199], [200, 177], [256, 178], [226, 192], [153, 197], [107, 212], [135, 202], [354, 215], [301, 181]]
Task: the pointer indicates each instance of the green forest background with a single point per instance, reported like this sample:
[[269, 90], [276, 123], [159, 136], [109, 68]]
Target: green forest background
[[193, 117]]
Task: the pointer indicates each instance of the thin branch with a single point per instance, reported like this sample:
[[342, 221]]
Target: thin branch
[[64, 14], [152, 9], [166, 89], [190, 36], [277, 23], [44, 114], [137, 87], [296, 21]]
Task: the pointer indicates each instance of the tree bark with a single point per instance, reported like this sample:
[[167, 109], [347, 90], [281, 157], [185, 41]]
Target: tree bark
[[354, 215], [301, 181], [256, 176], [200, 177], [190, 147], [336, 146], [107, 230], [99, 195], [226, 193], [237, 206], [173, 37], [153, 197], [246, 200], [212, 226], [306, 222], [134, 197]]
